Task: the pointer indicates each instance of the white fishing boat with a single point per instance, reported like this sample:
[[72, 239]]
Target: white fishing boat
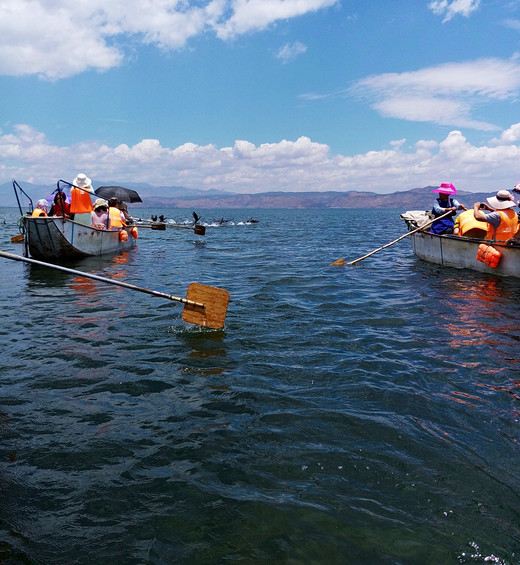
[[456, 251], [61, 238]]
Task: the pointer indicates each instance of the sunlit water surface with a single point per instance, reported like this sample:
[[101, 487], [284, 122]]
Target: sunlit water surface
[[365, 414]]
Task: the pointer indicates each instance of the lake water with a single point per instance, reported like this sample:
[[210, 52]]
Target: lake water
[[361, 415]]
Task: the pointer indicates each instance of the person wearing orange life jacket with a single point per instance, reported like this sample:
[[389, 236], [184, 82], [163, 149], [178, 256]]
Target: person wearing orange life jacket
[[41, 208], [80, 202], [501, 219], [467, 226], [116, 218]]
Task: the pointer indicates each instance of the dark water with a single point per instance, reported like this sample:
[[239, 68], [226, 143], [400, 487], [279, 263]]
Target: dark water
[[364, 414]]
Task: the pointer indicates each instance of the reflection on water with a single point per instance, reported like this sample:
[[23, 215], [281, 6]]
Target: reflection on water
[[473, 321], [472, 318], [206, 351]]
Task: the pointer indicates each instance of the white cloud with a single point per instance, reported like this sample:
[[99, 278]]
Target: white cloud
[[43, 39], [445, 94], [510, 135], [453, 8], [59, 39], [290, 51], [301, 165], [254, 15]]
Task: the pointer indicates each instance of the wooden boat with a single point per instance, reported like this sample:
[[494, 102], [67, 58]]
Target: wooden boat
[[460, 252], [57, 237], [61, 238]]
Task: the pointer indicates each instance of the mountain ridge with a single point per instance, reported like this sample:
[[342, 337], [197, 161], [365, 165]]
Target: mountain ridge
[[183, 197]]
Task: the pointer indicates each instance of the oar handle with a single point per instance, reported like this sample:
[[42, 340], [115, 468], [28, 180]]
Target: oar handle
[[102, 279]]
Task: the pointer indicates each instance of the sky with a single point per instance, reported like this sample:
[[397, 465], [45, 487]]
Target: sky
[[252, 96]]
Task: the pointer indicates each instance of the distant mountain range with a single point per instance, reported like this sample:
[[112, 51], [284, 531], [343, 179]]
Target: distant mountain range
[[182, 197]]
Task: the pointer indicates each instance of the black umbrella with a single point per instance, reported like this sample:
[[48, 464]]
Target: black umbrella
[[120, 192]]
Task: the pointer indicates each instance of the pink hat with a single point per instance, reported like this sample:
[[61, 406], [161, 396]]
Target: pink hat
[[446, 188]]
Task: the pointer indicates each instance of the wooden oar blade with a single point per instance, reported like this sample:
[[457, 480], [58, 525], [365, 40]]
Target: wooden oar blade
[[338, 263], [199, 230], [215, 301]]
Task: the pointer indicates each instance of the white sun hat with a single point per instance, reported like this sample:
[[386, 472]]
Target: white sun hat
[[82, 181], [502, 201]]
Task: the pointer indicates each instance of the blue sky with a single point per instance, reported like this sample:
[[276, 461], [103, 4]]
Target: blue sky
[[259, 95]]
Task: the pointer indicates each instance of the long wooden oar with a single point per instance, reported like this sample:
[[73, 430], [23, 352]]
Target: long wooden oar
[[341, 262], [197, 229], [204, 305]]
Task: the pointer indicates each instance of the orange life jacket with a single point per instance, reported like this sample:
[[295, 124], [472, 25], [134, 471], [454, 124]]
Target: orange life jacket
[[507, 228], [114, 219], [80, 202], [38, 212], [488, 255], [470, 227]]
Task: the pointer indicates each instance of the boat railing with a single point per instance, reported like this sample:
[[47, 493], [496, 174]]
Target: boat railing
[[18, 192]]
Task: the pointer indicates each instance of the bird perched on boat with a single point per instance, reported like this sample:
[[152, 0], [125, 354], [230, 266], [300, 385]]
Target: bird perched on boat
[[196, 217], [154, 218], [161, 218]]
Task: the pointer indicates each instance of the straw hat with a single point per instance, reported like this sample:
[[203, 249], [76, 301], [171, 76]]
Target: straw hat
[[446, 188], [100, 202], [502, 201]]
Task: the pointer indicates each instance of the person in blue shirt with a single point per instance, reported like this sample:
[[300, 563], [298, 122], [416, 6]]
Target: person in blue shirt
[[445, 203]]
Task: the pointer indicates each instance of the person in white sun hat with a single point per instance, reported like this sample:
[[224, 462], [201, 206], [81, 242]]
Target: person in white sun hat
[[498, 214], [82, 181], [80, 201]]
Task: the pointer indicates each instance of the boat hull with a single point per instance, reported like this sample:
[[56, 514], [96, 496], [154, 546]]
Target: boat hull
[[461, 253], [61, 238]]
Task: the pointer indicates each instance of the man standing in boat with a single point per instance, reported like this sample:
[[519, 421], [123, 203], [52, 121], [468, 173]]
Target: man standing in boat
[[80, 202], [501, 219]]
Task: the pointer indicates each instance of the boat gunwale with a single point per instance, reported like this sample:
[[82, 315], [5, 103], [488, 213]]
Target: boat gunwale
[[444, 250], [67, 249]]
